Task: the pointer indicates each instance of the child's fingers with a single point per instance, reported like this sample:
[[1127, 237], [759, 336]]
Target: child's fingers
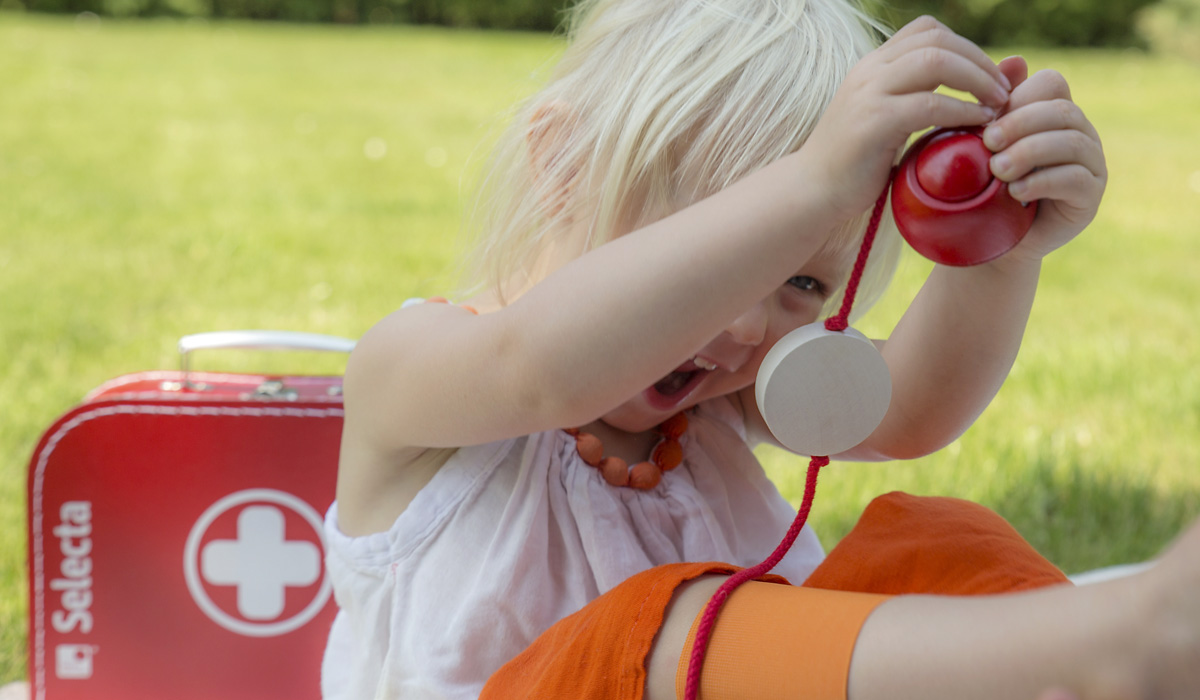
[[1048, 148], [936, 35], [921, 109], [1073, 186], [919, 25], [927, 68], [1040, 87], [1015, 69], [1039, 117]]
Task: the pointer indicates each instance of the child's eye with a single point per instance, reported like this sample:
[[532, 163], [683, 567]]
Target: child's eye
[[808, 284]]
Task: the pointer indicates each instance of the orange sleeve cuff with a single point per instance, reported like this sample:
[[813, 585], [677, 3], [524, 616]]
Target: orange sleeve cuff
[[774, 642]]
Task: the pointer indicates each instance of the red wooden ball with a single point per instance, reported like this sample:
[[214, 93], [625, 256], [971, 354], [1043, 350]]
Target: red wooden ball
[[948, 206]]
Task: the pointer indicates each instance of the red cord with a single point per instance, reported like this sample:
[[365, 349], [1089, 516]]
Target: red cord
[[708, 619], [841, 321]]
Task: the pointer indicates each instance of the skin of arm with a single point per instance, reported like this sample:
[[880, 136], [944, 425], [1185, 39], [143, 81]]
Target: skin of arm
[[950, 354], [948, 357], [470, 379], [930, 648], [1135, 638], [436, 376]]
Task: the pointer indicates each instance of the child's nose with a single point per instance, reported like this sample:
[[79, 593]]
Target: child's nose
[[751, 327]]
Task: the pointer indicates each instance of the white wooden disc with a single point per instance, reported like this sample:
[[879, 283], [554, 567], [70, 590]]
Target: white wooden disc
[[822, 392]]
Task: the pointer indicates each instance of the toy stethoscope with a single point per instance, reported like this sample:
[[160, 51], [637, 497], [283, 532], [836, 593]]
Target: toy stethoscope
[[948, 207]]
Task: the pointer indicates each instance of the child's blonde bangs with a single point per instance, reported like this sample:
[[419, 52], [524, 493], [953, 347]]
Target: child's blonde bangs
[[656, 104]]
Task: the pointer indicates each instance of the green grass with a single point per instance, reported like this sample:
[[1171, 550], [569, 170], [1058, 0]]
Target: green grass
[[164, 178]]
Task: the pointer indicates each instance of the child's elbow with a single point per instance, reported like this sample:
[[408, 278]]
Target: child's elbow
[[910, 442], [914, 450]]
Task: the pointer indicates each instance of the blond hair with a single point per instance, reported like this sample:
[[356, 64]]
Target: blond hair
[[651, 94]]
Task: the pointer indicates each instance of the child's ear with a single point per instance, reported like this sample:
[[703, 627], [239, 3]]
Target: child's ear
[[549, 135]]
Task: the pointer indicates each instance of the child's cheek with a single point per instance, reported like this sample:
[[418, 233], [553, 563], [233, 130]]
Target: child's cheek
[[795, 308]]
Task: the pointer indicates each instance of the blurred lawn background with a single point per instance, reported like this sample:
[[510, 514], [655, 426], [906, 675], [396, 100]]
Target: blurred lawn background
[[161, 178]]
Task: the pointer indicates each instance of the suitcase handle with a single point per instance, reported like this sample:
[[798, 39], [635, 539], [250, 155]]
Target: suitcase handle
[[257, 340]]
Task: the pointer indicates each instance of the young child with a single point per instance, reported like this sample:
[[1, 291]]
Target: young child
[[691, 185]]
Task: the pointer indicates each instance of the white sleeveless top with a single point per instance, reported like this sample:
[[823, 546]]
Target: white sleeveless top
[[509, 537]]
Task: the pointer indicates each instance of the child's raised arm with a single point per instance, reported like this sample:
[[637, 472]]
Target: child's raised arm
[[954, 347], [593, 333]]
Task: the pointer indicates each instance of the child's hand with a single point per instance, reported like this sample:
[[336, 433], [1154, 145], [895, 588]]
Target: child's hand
[[888, 96], [1046, 149]]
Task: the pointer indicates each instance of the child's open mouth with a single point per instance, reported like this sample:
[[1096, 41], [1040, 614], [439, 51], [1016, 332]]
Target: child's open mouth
[[672, 389]]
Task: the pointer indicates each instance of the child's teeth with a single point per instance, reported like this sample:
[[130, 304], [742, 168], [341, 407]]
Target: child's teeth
[[704, 364]]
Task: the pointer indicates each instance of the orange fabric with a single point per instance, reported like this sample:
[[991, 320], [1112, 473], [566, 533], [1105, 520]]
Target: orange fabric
[[599, 653], [946, 546], [779, 643], [902, 544]]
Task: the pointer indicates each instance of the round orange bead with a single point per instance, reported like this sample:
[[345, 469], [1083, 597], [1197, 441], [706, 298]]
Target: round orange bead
[[667, 454], [590, 448], [645, 476], [615, 471], [674, 427]]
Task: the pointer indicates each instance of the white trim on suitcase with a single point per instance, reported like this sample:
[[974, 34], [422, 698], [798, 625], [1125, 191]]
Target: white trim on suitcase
[[161, 375], [36, 497]]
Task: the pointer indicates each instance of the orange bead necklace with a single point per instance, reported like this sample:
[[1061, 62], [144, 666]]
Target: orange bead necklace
[[666, 455]]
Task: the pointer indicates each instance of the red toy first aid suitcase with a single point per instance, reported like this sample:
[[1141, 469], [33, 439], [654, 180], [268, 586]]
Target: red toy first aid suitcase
[[175, 534]]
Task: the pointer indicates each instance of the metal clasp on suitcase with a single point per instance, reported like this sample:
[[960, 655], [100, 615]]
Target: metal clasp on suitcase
[[273, 388]]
